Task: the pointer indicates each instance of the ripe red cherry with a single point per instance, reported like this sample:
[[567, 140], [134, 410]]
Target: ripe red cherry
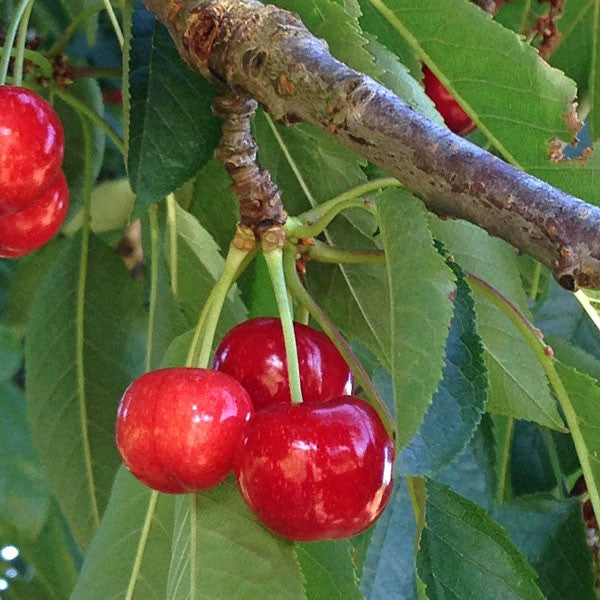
[[178, 428], [27, 230], [31, 147], [454, 116], [316, 471], [253, 352]]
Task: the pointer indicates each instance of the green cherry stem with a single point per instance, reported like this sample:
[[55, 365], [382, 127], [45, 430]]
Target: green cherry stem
[[326, 254], [9, 40], [21, 41], [540, 349], [114, 22], [93, 116], [314, 221], [305, 299], [201, 346], [274, 260]]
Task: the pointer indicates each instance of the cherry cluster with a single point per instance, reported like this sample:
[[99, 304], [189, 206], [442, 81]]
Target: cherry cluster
[[34, 197], [317, 470]]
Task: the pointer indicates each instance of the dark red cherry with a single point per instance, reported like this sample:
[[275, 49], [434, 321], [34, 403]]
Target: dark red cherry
[[31, 147], [454, 116], [27, 230], [253, 352], [178, 428], [316, 471]]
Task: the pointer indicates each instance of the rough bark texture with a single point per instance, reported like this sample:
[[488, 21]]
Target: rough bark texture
[[267, 53]]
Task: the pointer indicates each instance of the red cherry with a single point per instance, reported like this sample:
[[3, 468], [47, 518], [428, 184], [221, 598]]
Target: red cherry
[[32, 227], [454, 116], [316, 471], [253, 352], [178, 428], [31, 147]]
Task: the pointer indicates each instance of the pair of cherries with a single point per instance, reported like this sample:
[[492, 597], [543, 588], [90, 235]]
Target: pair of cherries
[[317, 470], [34, 197]]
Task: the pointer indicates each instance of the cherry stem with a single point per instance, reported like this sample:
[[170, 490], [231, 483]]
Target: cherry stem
[[94, 117], [173, 254], [20, 47], [193, 543], [532, 335], [274, 260], [154, 235], [204, 334], [10, 39], [326, 254], [43, 64], [314, 221], [300, 293]]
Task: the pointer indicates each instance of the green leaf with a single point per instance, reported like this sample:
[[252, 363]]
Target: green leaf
[[518, 384], [88, 92], [329, 21], [464, 552], [552, 536], [473, 473], [24, 497], [214, 204], [237, 559], [49, 561], [389, 569], [172, 131], [11, 354], [108, 570], [307, 163], [328, 570], [460, 399], [420, 307], [199, 265], [84, 345]]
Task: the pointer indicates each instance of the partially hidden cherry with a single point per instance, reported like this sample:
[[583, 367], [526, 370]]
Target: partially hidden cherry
[[179, 428], [454, 116], [253, 352], [316, 471], [31, 147], [27, 230]]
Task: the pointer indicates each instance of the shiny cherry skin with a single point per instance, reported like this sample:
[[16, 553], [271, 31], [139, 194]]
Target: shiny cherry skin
[[316, 471], [454, 116], [31, 147], [253, 352], [179, 428], [27, 230]]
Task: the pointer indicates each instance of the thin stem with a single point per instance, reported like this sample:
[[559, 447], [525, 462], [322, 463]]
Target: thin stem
[[154, 234], [114, 22], [172, 227], [193, 543], [199, 352], [535, 282], [10, 39], [530, 334], [327, 254], [80, 317], [81, 18], [301, 295], [346, 200], [504, 473], [139, 555], [274, 260], [21, 41], [95, 118]]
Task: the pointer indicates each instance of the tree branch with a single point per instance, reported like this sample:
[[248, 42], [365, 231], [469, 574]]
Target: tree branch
[[267, 53]]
